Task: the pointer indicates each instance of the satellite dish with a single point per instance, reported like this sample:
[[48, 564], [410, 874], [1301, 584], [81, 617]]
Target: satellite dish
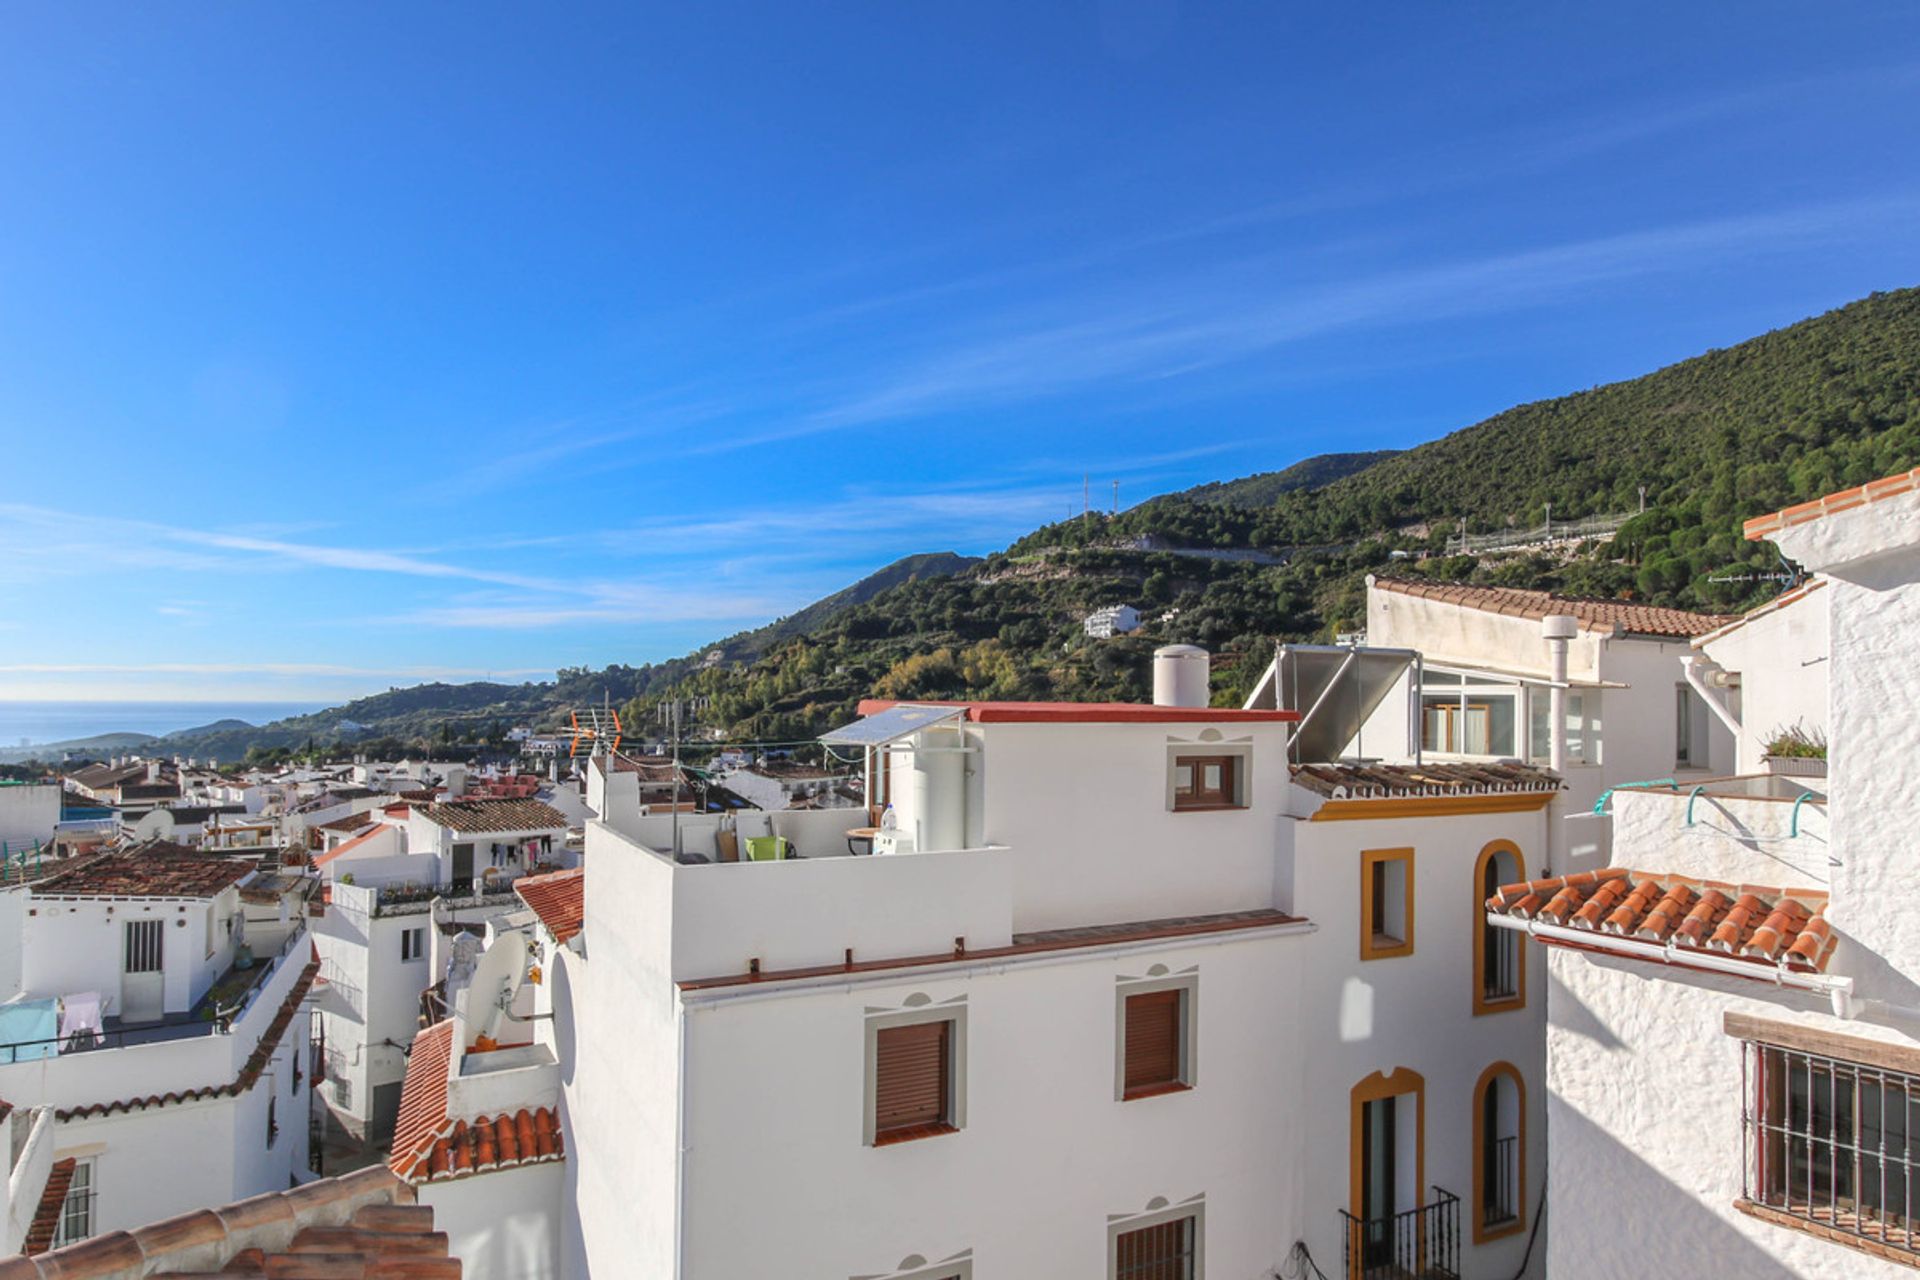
[[497, 976]]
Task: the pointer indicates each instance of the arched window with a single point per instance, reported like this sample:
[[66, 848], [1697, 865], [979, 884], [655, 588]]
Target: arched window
[[1499, 959], [1387, 1166], [1499, 1153]]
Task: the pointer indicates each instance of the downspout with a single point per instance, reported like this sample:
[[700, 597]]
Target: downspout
[[680, 1150], [1689, 666]]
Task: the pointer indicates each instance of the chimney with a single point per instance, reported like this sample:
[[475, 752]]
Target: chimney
[[1557, 629], [1180, 676], [153, 771]]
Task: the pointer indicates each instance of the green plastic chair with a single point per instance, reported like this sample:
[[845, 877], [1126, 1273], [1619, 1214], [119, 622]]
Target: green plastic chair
[[766, 848]]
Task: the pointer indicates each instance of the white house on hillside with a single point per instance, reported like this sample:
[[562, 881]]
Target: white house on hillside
[[1734, 1045]]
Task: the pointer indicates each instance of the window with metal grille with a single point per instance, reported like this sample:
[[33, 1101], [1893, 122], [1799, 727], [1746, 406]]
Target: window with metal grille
[[913, 1081], [143, 945], [1832, 1141], [1164, 1251], [1206, 782], [337, 1077], [1155, 1045], [76, 1211]]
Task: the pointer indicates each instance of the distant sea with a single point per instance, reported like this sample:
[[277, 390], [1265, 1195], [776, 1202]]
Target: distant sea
[[37, 722]]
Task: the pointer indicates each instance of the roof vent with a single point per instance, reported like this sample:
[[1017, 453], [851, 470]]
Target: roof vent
[[1559, 626]]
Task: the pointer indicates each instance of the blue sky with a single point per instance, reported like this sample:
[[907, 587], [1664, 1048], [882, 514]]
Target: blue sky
[[351, 345]]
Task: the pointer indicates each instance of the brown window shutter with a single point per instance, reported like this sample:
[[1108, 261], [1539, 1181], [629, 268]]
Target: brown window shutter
[[911, 1075], [1153, 1040]]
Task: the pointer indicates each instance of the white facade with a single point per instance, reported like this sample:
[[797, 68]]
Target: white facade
[[716, 1029], [1114, 620], [29, 812], [1653, 1086], [1779, 654]]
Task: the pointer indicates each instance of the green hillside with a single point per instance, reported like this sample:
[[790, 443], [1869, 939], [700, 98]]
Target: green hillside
[[1817, 406], [1266, 488], [1830, 402]]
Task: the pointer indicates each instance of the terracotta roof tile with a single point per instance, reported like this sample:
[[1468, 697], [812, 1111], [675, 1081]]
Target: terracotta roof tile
[[1624, 616], [1374, 781], [430, 1146], [1766, 925], [53, 1197], [147, 877], [559, 898], [359, 1224], [496, 815], [1834, 503]]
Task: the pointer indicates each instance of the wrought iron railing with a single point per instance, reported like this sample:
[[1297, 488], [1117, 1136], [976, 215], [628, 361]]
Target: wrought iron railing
[[1415, 1244], [1499, 1180]]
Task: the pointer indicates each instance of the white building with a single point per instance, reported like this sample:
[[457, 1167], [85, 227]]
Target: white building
[[1113, 620], [1119, 992], [156, 1011], [1488, 673], [1788, 639], [401, 893], [1734, 1045], [29, 812]]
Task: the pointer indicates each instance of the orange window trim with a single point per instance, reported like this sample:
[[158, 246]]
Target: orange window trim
[[1404, 1080], [1481, 1232], [1482, 1005], [1370, 948]]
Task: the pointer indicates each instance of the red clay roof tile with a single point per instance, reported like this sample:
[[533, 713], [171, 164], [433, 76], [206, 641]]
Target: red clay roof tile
[[559, 898], [1834, 503], [429, 1146], [1627, 616], [1768, 926]]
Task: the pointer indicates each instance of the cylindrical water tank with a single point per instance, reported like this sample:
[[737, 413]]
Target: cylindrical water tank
[[1180, 676]]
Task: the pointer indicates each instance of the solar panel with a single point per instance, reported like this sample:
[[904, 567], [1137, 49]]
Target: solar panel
[[894, 723]]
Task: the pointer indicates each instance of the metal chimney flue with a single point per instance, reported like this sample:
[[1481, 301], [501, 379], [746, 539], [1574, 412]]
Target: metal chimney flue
[[1181, 676]]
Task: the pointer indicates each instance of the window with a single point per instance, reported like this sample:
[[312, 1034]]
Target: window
[[413, 943], [1386, 1164], [914, 1081], [143, 951], [1689, 729], [273, 1120], [1461, 717], [1499, 1155], [1163, 1251], [337, 1077], [1832, 1141], [1386, 903], [1582, 723], [76, 1211], [209, 930], [1499, 959], [1155, 1041], [1207, 782]]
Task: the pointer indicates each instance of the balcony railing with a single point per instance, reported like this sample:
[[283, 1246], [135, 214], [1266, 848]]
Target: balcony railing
[[1417, 1244]]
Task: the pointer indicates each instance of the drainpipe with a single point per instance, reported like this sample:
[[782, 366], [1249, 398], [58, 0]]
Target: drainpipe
[[1690, 667], [1558, 629]]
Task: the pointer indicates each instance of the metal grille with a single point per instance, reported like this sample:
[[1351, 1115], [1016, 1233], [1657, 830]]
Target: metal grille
[[1418, 1244], [1160, 1252], [337, 1077], [1831, 1141], [1499, 1179], [1500, 973], [143, 945]]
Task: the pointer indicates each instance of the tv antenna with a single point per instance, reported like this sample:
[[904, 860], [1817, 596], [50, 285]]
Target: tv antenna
[[598, 728]]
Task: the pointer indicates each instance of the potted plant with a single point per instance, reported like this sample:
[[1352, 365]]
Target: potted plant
[[1796, 751]]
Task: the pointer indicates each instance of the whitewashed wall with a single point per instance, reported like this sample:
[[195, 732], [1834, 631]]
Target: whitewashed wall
[[502, 1225], [1358, 1017], [29, 811], [1783, 661]]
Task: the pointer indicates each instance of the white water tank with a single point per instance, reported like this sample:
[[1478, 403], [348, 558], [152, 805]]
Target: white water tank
[[1180, 676]]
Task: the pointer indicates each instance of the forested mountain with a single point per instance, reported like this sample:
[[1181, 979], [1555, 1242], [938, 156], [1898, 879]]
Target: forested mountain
[[1830, 402], [1266, 487]]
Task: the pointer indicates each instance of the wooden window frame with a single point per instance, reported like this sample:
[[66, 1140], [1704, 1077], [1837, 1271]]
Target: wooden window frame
[[1194, 1211], [1186, 989], [1482, 1005], [1370, 942], [1233, 765], [1482, 1233], [956, 1102], [1375, 1088]]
